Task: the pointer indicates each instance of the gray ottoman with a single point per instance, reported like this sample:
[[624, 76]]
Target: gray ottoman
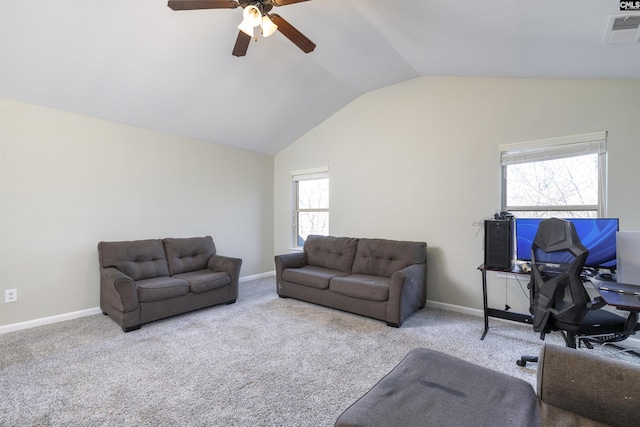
[[428, 388]]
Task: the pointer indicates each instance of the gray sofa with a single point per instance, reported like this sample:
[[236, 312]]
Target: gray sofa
[[146, 280], [574, 388], [382, 279]]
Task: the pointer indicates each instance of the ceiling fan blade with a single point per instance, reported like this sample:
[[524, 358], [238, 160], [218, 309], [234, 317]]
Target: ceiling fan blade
[[202, 4], [286, 2], [290, 32], [242, 44]]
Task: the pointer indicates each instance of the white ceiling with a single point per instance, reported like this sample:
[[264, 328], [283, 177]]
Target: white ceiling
[[140, 63]]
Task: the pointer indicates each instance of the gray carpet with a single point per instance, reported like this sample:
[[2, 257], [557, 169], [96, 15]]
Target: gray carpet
[[263, 361]]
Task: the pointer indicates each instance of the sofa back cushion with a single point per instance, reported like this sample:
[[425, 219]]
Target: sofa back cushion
[[138, 259], [188, 254], [334, 253], [379, 257]]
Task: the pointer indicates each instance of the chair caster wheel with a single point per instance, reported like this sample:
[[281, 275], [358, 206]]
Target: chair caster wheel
[[524, 359]]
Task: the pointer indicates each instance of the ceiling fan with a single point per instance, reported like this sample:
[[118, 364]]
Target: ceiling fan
[[255, 13]]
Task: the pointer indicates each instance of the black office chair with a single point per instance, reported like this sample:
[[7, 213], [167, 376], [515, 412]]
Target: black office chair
[[558, 298]]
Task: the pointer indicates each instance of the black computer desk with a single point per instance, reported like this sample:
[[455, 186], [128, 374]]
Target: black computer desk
[[618, 295], [623, 297], [494, 312]]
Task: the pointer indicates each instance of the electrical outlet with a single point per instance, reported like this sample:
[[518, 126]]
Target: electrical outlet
[[10, 295]]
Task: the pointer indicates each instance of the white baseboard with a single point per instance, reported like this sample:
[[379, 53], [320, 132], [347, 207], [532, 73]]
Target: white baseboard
[[89, 312], [49, 320], [257, 276], [456, 308]]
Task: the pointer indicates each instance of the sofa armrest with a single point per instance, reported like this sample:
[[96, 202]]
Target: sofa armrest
[[227, 264], [601, 388], [119, 289], [292, 260], [407, 292]]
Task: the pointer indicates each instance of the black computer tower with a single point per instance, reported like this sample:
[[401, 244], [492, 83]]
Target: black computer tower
[[499, 244]]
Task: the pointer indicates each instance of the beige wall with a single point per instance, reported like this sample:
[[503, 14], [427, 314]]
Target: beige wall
[[419, 161], [69, 181]]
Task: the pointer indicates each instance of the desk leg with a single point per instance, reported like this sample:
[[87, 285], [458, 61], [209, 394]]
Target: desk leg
[[485, 305], [631, 321]]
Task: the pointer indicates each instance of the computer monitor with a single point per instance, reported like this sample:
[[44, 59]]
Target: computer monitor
[[596, 234]]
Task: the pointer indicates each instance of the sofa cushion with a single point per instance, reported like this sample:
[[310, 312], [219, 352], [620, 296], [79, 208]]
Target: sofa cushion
[[379, 257], [188, 254], [361, 286], [161, 288], [334, 253], [312, 276], [138, 259], [205, 280]]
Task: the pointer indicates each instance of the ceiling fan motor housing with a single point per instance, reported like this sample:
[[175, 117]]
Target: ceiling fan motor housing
[[264, 6]]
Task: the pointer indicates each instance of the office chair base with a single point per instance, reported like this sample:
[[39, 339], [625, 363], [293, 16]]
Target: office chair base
[[524, 359]]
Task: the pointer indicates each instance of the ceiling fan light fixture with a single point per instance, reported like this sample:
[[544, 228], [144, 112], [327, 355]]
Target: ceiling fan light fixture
[[252, 18], [246, 27], [252, 14], [268, 26]]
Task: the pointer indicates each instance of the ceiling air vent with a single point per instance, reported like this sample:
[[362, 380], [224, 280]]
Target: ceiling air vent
[[623, 29]]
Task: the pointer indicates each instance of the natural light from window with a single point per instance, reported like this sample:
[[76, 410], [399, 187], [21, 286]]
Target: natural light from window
[[563, 188], [312, 209], [562, 177]]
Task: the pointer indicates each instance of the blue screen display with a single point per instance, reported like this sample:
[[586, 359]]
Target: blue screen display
[[596, 234]]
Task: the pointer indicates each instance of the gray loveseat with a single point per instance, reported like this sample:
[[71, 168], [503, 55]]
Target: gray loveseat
[[574, 388], [382, 279], [146, 280]]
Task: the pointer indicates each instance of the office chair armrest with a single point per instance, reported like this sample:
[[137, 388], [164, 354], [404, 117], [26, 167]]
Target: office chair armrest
[[597, 303]]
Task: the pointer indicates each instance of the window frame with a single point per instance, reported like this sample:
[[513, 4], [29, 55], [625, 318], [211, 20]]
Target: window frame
[[552, 149], [296, 177]]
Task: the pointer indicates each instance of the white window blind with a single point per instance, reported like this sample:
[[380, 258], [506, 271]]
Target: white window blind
[[308, 174], [553, 148]]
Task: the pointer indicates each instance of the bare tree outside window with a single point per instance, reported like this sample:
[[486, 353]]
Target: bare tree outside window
[[566, 187], [564, 176], [312, 208]]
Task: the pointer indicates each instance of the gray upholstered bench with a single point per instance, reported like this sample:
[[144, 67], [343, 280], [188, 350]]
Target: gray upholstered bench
[[432, 388]]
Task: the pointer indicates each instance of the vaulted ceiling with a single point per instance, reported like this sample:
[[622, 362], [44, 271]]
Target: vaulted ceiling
[[140, 63]]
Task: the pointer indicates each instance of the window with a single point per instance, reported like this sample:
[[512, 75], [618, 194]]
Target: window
[[562, 177], [310, 204]]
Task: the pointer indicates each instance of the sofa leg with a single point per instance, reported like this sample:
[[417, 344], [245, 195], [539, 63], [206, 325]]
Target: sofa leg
[[394, 325], [283, 296], [231, 302], [131, 328]]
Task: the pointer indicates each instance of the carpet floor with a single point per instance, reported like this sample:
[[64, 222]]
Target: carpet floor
[[264, 361]]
